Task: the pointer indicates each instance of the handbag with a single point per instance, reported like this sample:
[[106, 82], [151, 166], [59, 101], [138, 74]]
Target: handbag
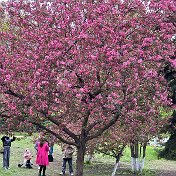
[[50, 158]]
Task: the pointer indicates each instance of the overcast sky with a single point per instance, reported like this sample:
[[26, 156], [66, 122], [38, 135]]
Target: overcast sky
[[3, 0]]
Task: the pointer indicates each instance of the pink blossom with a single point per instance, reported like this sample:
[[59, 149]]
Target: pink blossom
[[81, 63]]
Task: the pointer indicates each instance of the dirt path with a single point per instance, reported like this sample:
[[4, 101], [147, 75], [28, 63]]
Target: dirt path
[[163, 167], [160, 168]]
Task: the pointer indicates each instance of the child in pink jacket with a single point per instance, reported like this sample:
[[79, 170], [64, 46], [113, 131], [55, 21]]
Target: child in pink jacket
[[27, 159], [42, 156]]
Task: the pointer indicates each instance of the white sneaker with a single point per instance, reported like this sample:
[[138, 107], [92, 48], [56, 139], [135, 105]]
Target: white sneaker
[[71, 174], [61, 173]]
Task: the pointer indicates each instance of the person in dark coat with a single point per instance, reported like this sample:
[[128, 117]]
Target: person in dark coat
[[6, 149]]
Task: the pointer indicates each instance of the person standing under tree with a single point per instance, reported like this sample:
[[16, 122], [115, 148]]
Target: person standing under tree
[[6, 149], [42, 156], [51, 149], [67, 157], [37, 141]]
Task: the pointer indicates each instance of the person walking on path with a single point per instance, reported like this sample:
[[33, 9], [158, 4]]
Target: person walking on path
[[68, 151], [6, 149], [42, 156]]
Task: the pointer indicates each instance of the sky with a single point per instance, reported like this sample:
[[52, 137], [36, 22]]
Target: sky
[[3, 0]]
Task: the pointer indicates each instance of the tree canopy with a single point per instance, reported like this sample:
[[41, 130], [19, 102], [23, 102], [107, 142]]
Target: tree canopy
[[74, 68]]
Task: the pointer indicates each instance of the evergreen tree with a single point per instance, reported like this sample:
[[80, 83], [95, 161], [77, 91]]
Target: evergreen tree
[[169, 151]]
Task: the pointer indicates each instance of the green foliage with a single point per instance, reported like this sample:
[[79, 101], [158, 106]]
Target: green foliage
[[164, 112], [151, 154], [87, 162], [169, 152]]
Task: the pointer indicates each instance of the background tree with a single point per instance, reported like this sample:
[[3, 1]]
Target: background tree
[[112, 143], [3, 27], [133, 131], [73, 68], [169, 151]]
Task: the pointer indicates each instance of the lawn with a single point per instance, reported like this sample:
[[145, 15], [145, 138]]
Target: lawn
[[101, 166]]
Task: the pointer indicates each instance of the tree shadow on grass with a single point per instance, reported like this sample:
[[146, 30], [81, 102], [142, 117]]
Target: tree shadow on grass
[[102, 169], [165, 172]]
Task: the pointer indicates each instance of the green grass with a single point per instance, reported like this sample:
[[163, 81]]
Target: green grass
[[101, 165], [151, 154]]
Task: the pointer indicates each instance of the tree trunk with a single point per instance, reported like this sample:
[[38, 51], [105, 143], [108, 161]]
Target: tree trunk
[[138, 159], [135, 158], [80, 159], [118, 160], [143, 156], [132, 156], [115, 168]]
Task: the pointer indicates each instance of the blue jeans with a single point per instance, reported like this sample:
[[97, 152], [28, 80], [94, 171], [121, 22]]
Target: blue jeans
[[6, 156], [65, 160]]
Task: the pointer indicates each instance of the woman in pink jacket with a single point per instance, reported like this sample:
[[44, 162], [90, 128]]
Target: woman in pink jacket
[[42, 156]]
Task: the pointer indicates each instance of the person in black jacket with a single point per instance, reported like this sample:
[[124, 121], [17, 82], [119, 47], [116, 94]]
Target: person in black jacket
[[6, 151]]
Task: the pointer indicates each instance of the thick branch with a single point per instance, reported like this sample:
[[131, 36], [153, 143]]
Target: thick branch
[[53, 133], [92, 125], [98, 77], [101, 130], [10, 92], [65, 129], [80, 81], [4, 115], [94, 94], [66, 52], [84, 125]]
